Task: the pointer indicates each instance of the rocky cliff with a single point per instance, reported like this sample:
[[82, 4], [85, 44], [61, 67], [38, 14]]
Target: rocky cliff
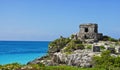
[[73, 51], [65, 51]]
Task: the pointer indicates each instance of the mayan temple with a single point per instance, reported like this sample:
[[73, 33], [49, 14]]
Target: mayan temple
[[89, 31]]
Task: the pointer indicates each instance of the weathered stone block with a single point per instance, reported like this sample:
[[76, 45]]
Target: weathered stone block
[[119, 50], [89, 31], [96, 48], [111, 49]]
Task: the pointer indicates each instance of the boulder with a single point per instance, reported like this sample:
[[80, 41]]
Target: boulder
[[96, 48], [111, 49], [119, 50], [78, 58]]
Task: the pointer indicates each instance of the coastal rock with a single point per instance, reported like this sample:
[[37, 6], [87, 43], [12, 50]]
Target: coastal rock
[[111, 49], [38, 60], [119, 50], [59, 58], [75, 51], [78, 58], [53, 49], [96, 48]]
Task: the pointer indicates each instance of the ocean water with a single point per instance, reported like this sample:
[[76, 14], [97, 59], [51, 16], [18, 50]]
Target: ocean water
[[22, 51]]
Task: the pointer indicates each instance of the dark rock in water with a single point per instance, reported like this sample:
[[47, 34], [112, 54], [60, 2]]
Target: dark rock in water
[[111, 49], [96, 48]]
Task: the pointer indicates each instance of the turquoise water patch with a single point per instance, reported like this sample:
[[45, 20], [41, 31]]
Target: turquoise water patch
[[19, 58], [22, 51]]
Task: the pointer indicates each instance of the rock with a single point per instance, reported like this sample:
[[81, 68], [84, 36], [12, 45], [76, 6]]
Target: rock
[[111, 49], [119, 50], [26, 67], [78, 58], [53, 49], [38, 60], [96, 48], [48, 63], [88, 34]]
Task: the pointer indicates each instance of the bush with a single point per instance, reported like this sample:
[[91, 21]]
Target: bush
[[102, 47], [107, 38], [72, 36], [73, 45], [89, 47], [106, 61], [58, 44], [13, 66], [77, 41], [79, 46], [41, 65]]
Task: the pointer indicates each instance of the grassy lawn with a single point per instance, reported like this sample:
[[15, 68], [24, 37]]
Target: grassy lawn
[[67, 68]]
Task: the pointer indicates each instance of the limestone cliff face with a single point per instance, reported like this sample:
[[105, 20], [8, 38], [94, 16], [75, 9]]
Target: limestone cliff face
[[80, 58], [77, 57]]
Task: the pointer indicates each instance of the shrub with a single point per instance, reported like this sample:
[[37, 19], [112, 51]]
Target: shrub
[[77, 41], [117, 43], [79, 46], [72, 36], [89, 47], [41, 65], [106, 61], [58, 44], [73, 45], [12, 66], [107, 38], [102, 47]]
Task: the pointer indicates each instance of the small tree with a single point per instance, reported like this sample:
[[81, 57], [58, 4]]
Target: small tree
[[72, 36]]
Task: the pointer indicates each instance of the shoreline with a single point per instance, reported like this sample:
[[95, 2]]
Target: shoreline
[[19, 58]]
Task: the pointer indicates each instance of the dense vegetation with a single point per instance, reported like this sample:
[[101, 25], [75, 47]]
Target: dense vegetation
[[108, 38], [13, 66], [68, 45], [58, 44], [74, 45], [107, 61], [16, 66]]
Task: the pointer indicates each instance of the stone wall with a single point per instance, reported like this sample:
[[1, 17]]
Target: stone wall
[[89, 31]]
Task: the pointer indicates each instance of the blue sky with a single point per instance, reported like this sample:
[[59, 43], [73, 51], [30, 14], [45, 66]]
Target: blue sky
[[43, 20]]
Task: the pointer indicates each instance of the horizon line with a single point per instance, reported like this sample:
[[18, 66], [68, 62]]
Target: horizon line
[[27, 40]]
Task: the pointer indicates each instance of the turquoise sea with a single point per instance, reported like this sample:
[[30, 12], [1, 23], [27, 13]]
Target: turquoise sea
[[21, 51]]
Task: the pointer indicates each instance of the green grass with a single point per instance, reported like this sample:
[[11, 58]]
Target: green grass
[[89, 47], [68, 68], [16, 66]]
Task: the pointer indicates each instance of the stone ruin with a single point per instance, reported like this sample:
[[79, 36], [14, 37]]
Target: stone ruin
[[111, 49], [96, 48], [89, 31]]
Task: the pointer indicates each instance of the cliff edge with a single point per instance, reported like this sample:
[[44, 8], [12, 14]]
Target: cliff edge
[[80, 48]]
